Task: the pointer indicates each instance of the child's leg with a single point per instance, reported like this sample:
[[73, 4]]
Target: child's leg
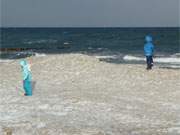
[[148, 60], [24, 86], [152, 61], [28, 89]]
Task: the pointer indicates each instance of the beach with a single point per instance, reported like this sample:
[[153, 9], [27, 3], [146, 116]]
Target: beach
[[77, 94]]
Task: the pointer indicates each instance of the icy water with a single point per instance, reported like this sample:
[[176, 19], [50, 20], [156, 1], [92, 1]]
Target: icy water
[[112, 44]]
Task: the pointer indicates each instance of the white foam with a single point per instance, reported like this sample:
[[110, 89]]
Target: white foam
[[176, 55], [5, 61], [25, 53], [171, 66], [133, 58], [66, 43], [40, 41], [40, 54], [168, 60], [158, 60], [105, 57]]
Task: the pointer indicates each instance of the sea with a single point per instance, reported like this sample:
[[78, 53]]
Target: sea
[[113, 45]]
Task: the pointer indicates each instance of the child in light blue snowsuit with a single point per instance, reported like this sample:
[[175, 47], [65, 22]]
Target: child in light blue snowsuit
[[26, 78]]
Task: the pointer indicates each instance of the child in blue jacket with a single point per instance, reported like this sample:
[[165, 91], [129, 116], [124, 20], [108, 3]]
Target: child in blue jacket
[[149, 50], [26, 78]]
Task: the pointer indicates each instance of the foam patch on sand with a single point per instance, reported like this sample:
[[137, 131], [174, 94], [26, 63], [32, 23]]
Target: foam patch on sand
[[5, 61], [106, 57]]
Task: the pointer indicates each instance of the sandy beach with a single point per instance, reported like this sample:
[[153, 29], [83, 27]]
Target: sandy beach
[[77, 94]]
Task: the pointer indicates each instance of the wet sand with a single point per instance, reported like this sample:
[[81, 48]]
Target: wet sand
[[77, 94]]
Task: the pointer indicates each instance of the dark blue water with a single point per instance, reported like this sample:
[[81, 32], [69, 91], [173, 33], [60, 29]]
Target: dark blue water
[[99, 41], [124, 40]]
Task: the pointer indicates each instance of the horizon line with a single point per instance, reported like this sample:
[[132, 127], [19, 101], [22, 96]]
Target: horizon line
[[90, 27]]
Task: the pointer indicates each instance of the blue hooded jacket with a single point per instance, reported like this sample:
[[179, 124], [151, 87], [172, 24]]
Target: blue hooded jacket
[[25, 70], [148, 47]]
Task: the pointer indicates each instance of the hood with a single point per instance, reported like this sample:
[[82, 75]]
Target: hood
[[23, 63], [148, 39]]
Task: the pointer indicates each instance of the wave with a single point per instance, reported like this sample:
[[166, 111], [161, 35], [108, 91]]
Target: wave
[[31, 53], [41, 41], [176, 55], [40, 54], [158, 60], [25, 53], [66, 43]]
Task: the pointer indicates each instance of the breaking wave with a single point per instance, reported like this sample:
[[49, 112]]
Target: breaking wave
[[173, 60]]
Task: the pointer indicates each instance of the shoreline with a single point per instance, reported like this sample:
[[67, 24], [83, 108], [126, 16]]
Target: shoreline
[[160, 62]]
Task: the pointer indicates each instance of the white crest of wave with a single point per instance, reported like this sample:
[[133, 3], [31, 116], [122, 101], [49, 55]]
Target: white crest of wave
[[40, 54], [160, 60]]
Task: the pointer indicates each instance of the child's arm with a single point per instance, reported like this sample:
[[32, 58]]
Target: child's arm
[[29, 67], [152, 48], [25, 74]]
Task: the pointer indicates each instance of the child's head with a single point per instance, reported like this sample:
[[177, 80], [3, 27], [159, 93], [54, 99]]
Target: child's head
[[23, 63], [148, 38]]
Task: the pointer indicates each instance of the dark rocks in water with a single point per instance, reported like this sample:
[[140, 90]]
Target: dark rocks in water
[[13, 49]]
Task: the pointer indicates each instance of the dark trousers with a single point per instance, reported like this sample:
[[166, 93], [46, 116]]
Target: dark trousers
[[149, 61]]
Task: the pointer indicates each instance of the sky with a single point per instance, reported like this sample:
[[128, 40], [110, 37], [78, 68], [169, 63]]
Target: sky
[[90, 13]]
